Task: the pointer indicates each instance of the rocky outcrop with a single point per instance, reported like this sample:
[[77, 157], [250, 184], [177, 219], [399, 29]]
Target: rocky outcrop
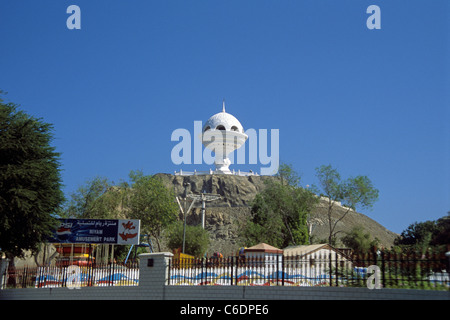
[[225, 217], [235, 191]]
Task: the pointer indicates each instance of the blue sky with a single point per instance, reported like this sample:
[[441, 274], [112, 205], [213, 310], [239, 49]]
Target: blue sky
[[369, 102]]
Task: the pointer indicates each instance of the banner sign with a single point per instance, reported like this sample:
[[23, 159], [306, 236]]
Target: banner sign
[[100, 231]]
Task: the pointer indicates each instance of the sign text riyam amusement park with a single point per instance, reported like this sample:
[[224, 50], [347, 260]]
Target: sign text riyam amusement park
[[100, 231]]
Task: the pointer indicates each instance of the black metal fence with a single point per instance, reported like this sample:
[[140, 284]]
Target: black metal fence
[[72, 276], [385, 269]]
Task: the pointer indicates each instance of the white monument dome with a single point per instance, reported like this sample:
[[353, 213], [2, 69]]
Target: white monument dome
[[223, 121], [223, 134]]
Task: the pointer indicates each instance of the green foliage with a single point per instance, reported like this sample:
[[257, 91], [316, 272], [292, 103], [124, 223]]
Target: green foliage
[[359, 241], [30, 182], [352, 193], [280, 211], [441, 235], [287, 175], [427, 233], [265, 225], [97, 199], [196, 242], [121, 252], [150, 201], [145, 198], [417, 233]]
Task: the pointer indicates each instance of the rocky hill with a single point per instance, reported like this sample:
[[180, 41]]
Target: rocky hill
[[224, 217]]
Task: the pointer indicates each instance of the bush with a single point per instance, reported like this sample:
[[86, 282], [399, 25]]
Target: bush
[[197, 239]]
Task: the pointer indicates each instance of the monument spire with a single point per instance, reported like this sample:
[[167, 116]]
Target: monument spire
[[223, 105]]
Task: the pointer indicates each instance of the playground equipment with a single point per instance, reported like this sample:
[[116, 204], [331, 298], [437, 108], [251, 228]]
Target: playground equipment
[[75, 254], [149, 245]]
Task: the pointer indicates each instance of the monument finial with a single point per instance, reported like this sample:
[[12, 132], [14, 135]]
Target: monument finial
[[223, 105]]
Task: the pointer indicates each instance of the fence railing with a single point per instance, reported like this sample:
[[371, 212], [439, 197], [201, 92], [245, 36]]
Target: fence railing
[[424, 271], [212, 172], [69, 275], [429, 270]]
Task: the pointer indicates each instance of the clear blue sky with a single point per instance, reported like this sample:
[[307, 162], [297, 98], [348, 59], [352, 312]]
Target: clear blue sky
[[370, 102]]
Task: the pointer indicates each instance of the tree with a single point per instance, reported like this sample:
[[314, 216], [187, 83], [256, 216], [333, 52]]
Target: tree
[[97, 199], [351, 193], [197, 239], [442, 233], [30, 182], [359, 241], [427, 233], [265, 224], [417, 233], [279, 213], [150, 201]]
